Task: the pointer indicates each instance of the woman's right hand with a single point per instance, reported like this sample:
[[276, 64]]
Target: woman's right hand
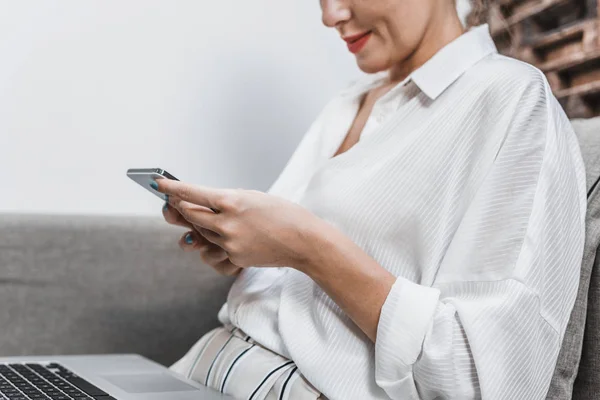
[[193, 240]]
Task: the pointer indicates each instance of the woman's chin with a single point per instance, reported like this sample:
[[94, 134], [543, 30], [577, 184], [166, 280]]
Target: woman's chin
[[369, 65]]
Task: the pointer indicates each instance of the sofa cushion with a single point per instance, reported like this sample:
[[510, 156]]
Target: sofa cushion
[[81, 285], [587, 384], [588, 133], [583, 329]]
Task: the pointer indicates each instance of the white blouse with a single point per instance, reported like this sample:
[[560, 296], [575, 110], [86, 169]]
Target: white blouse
[[468, 185]]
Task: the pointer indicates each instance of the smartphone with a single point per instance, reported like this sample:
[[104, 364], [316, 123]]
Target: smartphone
[[145, 176]]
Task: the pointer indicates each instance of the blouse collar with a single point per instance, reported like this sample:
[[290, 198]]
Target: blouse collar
[[451, 61], [445, 67]]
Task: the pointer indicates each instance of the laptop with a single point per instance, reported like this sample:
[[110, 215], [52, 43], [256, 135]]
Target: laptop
[[97, 377]]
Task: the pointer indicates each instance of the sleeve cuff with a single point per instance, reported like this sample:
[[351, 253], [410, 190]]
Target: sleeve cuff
[[405, 318]]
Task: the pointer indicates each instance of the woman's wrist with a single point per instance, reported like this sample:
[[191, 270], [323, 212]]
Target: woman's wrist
[[326, 248], [317, 244], [350, 277]]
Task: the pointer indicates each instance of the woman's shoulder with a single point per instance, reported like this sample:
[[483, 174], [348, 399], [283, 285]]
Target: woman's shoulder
[[512, 88], [522, 93], [508, 77]]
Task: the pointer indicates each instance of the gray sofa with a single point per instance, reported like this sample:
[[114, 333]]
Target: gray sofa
[[75, 285]]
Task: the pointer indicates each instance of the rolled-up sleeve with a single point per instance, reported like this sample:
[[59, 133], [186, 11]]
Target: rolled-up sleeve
[[491, 324]]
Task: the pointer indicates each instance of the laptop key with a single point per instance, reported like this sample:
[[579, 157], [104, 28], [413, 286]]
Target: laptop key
[[85, 386]]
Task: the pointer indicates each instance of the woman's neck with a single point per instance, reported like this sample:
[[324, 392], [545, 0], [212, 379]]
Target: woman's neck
[[437, 35]]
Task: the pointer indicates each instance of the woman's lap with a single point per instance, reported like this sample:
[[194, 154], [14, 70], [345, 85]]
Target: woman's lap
[[228, 360]]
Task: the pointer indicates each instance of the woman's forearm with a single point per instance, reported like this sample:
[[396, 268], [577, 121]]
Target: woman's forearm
[[354, 280]]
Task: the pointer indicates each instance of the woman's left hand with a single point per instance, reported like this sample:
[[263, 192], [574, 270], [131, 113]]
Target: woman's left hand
[[254, 228]]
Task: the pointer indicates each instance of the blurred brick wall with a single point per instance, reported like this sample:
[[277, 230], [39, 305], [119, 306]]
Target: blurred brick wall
[[562, 38]]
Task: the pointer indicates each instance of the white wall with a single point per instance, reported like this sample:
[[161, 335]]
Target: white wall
[[217, 92]]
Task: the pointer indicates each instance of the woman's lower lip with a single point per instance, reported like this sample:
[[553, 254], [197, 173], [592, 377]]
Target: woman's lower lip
[[357, 46]]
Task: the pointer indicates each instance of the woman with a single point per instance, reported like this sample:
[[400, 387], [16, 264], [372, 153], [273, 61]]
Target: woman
[[423, 241]]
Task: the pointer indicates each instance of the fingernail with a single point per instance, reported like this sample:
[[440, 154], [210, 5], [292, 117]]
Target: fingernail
[[166, 206], [189, 239], [154, 185]]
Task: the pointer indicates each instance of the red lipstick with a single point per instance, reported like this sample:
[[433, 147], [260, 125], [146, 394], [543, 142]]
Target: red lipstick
[[357, 42]]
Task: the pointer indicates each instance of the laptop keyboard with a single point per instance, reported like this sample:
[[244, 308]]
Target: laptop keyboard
[[45, 382]]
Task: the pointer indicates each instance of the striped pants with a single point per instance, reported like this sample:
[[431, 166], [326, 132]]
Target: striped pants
[[231, 362]]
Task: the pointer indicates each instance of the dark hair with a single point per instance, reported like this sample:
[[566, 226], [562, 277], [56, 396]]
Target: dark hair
[[479, 13]]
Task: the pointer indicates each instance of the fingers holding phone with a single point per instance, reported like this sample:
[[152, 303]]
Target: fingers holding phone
[[210, 253], [173, 217], [193, 240]]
